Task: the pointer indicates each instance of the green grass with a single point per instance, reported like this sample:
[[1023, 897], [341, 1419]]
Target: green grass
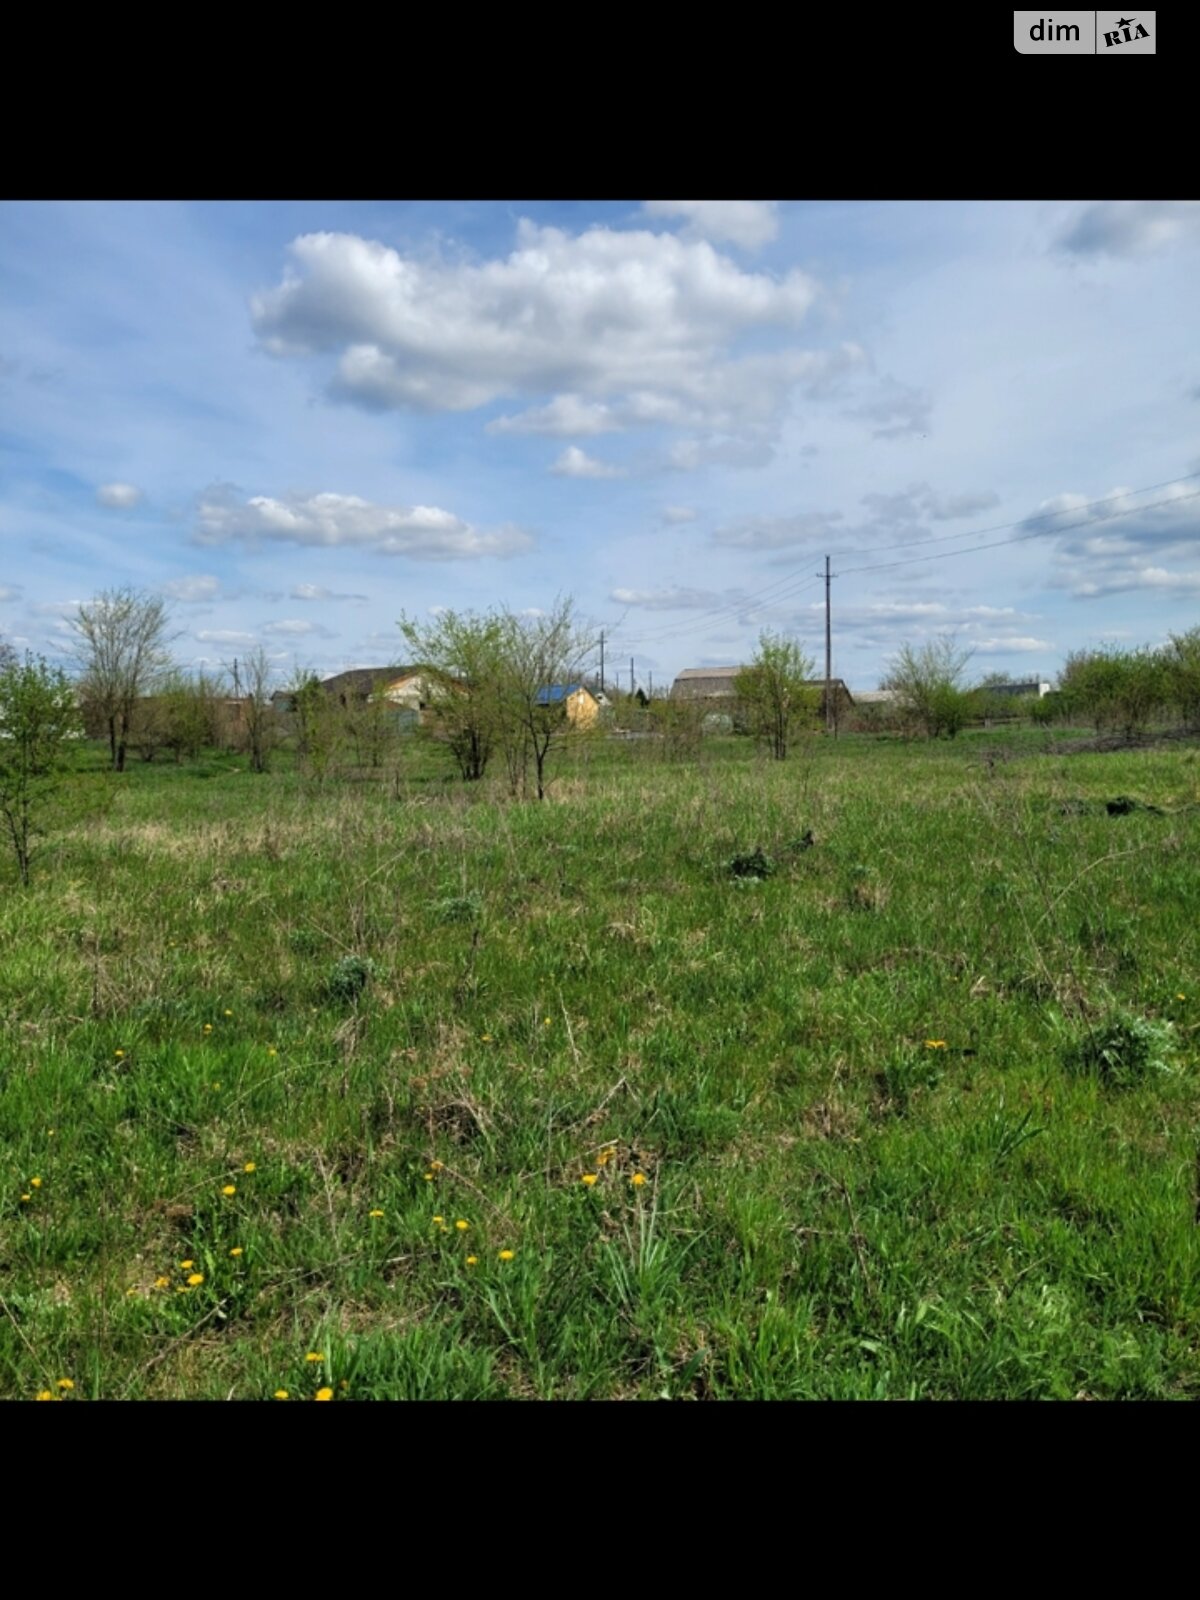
[[354, 985]]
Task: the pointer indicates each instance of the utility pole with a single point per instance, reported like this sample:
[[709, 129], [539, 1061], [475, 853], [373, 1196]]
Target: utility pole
[[237, 690], [830, 723], [602, 661], [631, 677]]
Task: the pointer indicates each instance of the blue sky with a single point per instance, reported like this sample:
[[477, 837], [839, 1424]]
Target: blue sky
[[299, 420]]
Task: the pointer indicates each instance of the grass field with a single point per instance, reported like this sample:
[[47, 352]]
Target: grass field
[[914, 1116]]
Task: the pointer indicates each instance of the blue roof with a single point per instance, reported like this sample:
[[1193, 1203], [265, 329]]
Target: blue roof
[[556, 692]]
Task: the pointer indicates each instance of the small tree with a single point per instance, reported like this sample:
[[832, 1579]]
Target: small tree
[[463, 655], [775, 692], [315, 717], [259, 724], [38, 714], [928, 683], [189, 711], [121, 644], [1181, 663], [541, 654]]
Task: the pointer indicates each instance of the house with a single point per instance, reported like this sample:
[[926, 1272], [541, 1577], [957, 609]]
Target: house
[[877, 697], [716, 684], [405, 688], [583, 705], [1032, 689]]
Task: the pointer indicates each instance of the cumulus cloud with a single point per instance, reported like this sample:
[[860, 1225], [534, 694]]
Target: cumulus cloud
[[605, 329], [1124, 541], [674, 515], [911, 505], [318, 591], [297, 628], [567, 415], [118, 496], [749, 223], [193, 590], [576, 463], [424, 533], [1130, 227], [225, 636]]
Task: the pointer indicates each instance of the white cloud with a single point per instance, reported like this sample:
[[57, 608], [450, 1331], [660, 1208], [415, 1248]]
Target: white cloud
[[674, 515], [424, 533], [576, 463], [899, 411], [910, 505], [1123, 541], [673, 599], [617, 328], [118, 496], [567, 415], [779, 533], [7, 592], [225, 636], [297, 628], [1130, 227], [318, 591], [1010, 645], [194, 590], [749, 223]]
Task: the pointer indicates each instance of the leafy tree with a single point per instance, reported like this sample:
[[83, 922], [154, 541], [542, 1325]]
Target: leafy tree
[[928, 682], [775, 692], [121, 644], [315, 716], [38, 714], [539, 653], [462, 653], [259, 724], [1181, 661]]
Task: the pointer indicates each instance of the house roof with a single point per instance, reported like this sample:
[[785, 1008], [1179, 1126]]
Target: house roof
[[555, 692], [702, 682], [362, 680]]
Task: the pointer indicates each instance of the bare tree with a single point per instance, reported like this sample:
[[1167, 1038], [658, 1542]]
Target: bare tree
[[121, 644], [542, 656], [776, 692], [259, 722]]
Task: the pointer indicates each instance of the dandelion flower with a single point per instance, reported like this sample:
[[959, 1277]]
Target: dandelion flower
[[187, 1265], [323, 1394], [545, 1022], [485, 1038], [250, 1167], [25, 1199], [638, 1179], [118, 1054], [436, 1166], [208, 1027], [439, 1219], [35, 1183], [375, 1213], [237, 1250], [229, 1188], [472, 1261], [229, 1013], [604, 1158], [280, 1394], [216, 1086], [271, 1050], [589, 1178], [935, 1044], [429, 1177], [44, 1394], [461, 1225], [314, 1355], [1181, 997], [162, 1283], [66, 1383], [195, 1279], [507, 1255]]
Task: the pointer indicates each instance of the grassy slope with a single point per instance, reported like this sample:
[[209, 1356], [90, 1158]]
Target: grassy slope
[[831, 1207]]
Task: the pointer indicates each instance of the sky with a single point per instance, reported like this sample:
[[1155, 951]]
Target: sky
[[299, 421]]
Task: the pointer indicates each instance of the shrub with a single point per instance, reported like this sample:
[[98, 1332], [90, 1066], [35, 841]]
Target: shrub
[[349, 977], [1122, 1050], [752, 865]]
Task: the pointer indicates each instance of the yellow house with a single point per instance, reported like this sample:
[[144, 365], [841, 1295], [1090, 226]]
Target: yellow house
[[582, 706]]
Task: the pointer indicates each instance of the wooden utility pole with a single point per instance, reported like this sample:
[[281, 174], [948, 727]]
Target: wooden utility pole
[[602, 661], [829, 717], [631, 677]]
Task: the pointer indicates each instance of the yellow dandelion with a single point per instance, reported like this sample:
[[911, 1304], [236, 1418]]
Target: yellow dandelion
[[208, 1027], [237, 1250], [436, 1166], [66, 1383], [439, 1219], [323, 1394], [314, 1355], [1181, 997], [25, 1199], [507, 1255], [271, 1050], [44, 1394], [485, 1038], [935, 1044], [604, 1158], [229, 1013], [35, 1183], [229, 1188], [195, 1279], [216, 1086], [280, 1394], [187, 1265], [545, 1022], [162, 1283], [250, 1167], [461, 1225], [638, 1179], [375, 1213], [472, 1261], [131, 1291], [589, 1178], [429, 1177], [118, 1054], [50, 1132], [180, 1289]]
